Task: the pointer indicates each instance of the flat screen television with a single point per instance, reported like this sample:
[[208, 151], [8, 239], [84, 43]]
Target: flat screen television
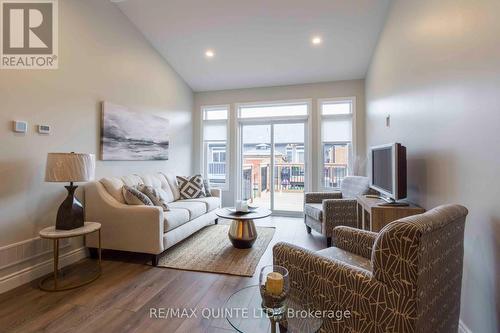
[[388, 171]]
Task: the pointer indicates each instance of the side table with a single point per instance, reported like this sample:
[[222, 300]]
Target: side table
[[373, 217], [55, 235]]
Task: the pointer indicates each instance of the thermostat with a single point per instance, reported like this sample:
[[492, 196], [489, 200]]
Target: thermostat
[[44, 129], [20, 126]]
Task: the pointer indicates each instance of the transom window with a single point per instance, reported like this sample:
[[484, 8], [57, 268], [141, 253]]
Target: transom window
[[273, 111]]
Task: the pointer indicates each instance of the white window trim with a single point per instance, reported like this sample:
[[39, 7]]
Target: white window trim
[[321, 117], [203, 159], [308, 142]]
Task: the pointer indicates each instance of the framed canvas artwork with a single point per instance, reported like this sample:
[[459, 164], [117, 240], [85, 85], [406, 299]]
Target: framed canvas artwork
[[132, 136]]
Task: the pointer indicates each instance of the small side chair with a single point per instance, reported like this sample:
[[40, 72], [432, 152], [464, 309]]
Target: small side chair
[[323, 211]]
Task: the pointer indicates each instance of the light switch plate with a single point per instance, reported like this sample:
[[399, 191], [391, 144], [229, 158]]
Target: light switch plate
[[43, 129], [20, 126], [388, 121]]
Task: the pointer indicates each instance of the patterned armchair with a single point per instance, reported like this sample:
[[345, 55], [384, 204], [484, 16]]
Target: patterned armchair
[[323, 211], [407, 278]]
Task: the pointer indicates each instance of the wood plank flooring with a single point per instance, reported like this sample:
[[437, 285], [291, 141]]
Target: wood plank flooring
[[120, 300]]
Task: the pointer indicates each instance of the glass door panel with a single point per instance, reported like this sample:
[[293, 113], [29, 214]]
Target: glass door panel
[[289, 167], [256, 165]]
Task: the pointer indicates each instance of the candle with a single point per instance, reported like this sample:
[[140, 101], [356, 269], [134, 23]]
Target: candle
[[274, 283]]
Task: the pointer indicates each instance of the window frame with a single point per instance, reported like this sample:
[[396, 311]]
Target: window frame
[[308, 139], [204, 154], [321, 118]]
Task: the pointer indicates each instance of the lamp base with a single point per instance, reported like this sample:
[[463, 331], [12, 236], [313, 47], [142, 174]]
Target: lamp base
[[70, 213]]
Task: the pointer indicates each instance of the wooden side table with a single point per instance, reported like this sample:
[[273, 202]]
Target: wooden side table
[[373, 217], [55, 235]]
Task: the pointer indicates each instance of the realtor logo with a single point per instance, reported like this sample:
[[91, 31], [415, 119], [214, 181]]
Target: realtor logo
[[28, 34]]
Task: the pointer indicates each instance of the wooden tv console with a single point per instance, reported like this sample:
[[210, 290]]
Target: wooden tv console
[[373, 217]]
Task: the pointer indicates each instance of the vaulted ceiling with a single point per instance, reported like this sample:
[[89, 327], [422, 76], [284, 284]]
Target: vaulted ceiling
[[261, 43]]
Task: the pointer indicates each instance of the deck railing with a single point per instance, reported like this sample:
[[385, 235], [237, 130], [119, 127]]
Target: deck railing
[[289, 177], [216, 169]]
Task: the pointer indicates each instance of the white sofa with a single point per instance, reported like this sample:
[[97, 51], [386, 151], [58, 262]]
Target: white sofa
[[140, 228]]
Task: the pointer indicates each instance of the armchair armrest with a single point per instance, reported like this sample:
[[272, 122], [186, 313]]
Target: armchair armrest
[[354, 240], [337, 212], [332, 284], [318, 197]]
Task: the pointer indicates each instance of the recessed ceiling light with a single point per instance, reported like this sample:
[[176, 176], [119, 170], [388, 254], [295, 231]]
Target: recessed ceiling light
[[316, 40], [209, 53]]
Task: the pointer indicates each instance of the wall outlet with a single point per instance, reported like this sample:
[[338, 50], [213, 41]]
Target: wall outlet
[[43, 129], [20, 126]]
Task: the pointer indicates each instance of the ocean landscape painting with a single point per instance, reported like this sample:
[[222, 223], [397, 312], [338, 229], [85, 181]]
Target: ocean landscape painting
[[132, 136]]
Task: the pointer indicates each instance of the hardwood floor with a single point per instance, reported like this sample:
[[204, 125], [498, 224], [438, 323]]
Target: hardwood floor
[[120, 300]]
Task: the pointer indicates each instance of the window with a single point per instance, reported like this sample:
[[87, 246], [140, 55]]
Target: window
[[336, 116], [215, 133], [267, 111]]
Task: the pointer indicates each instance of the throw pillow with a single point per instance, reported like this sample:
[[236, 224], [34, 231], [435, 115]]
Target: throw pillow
[[206, 186], [191, 187], [133, 196], [155, 195]]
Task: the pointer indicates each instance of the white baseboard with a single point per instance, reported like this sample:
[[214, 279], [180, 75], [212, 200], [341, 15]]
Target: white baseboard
[[462, 328], [31, 273]]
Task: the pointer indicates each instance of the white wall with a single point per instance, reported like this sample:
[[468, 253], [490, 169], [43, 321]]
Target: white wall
[[102, 57], [280, 93], [436, 71]]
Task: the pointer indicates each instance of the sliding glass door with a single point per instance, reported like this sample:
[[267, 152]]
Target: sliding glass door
[[273, 164], [289, 167], [256, 164]]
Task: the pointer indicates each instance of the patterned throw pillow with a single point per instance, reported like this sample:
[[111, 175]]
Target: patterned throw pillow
[[155, 195], [206, 186], [133, 196], [191, 187]]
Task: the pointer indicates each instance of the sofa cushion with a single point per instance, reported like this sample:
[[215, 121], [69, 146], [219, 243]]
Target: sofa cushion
[[132, 180], [314, 210], [195, 208], [114, 187], [172, 181], [210, 202], [346, 257], [159, 181], [151, 180], [353, 186], [174, 218], [191, 187], [133, 196]]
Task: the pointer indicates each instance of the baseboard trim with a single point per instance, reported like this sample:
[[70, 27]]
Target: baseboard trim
[[462, 328], [31, 273]]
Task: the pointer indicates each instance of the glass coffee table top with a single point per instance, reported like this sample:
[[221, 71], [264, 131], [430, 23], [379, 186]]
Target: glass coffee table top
[[244, 313]]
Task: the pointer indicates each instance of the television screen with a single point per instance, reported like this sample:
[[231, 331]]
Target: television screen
[[382, 173]]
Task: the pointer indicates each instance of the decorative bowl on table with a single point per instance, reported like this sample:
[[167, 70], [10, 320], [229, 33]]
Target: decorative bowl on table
[[274, 286]]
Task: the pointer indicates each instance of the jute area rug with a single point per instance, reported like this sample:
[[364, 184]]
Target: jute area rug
[[210, 250]]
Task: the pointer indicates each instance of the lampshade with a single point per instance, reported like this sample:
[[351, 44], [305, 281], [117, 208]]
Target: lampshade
[[69, 167]]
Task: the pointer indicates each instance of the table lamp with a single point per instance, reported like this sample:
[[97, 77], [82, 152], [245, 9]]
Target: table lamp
[[70, 167]]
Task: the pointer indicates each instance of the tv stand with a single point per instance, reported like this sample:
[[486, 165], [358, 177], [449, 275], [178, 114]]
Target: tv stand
[[374, 212], [387, 201]]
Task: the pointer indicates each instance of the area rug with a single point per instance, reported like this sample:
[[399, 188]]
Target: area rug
[[210, 250]]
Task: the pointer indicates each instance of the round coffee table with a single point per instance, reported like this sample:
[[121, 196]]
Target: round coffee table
[[242, 232]]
